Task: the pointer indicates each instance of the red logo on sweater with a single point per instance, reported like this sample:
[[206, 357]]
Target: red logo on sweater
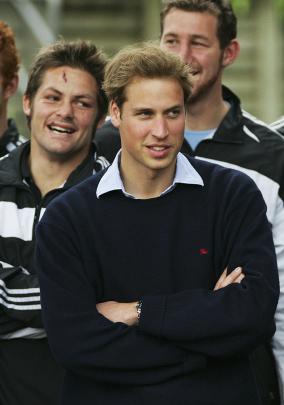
[[203, 251]]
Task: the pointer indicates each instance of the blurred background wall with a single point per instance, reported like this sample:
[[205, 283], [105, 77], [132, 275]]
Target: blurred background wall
[[257, 75]]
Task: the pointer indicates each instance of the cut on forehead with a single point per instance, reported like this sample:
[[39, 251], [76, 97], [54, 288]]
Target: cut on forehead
[[79, 54], [66, 77]]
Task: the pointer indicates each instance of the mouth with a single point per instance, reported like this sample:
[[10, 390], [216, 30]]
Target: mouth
[[158, 148], [159, 151], [194, 70], [60, 130]]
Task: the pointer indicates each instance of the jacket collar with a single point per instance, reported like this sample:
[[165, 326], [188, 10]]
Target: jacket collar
[[14, 167], [11, 134], [230, 129]]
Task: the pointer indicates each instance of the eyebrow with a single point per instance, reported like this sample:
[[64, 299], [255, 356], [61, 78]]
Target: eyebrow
[[139, 110], [52, 89], [194, 36], [77, 96], [174, 107], [200, 36], [88, 96]]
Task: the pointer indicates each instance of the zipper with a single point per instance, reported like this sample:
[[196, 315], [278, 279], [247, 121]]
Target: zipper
[[39, 206]]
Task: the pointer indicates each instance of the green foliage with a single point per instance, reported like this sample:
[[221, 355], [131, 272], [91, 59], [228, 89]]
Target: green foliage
[[243, 6], [280, 6]]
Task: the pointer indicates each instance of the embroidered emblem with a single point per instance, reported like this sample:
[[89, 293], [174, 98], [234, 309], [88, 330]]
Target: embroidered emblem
[[203, 251]]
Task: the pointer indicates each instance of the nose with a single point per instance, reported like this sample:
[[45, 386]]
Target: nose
[[160, 128], [65, 109], [185, 52]]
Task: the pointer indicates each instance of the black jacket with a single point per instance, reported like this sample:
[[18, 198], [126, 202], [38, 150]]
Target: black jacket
[[20, 210], [278, 125], [10, 139]]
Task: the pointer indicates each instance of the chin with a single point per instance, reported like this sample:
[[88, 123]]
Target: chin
[[160, 165]]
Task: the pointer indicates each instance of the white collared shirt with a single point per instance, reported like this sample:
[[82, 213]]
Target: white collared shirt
[[111, 180]]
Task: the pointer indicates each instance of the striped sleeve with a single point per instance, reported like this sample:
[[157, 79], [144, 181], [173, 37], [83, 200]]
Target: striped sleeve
[[19, 300]]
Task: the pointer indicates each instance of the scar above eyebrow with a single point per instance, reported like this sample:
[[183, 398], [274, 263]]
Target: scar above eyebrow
[[64, 77]]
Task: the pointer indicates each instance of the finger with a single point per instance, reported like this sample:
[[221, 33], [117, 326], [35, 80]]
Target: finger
[[221, 279], [223, 275], [240, 278], [232, 277]]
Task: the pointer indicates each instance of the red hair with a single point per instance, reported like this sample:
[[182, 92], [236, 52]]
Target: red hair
[[9, 56]]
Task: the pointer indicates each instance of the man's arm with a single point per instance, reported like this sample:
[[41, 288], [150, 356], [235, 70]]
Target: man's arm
[[231, 320], [126, 312], [20, 307], [235, 319], [176, 332], [84, 341], [278, 338]]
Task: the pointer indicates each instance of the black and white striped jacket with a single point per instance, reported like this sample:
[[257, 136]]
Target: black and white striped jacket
[[20, 309]]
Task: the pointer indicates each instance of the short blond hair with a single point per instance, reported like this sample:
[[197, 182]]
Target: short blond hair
[[144, 60]]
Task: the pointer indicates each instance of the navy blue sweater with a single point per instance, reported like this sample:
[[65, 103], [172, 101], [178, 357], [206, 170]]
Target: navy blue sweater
[[192, 345]]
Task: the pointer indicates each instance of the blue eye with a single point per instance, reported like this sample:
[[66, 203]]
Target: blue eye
[[174, 113]]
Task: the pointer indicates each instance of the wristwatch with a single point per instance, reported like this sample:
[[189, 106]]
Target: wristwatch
[[138, 310]]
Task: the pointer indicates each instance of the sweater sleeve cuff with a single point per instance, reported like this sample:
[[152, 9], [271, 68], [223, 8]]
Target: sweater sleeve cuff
[[152, 314]]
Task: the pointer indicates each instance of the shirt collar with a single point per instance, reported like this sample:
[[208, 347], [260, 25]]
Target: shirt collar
[[111, 180]]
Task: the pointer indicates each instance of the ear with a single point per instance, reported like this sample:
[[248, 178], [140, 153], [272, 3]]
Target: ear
[[11, 87], [231, 52], [115, 114], [27, 105]]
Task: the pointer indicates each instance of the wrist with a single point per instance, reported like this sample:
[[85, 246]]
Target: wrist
[[138, 307]]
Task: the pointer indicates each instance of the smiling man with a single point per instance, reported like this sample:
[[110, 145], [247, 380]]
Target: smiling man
[[204, 34], [63, 103], [136, 302]]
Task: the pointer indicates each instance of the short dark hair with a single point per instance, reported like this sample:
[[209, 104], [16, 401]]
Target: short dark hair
[[9, 55], [221, 9], [144, 60], [75, 54]]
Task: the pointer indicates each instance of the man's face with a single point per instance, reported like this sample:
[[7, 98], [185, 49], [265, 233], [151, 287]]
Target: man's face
[[151, 123], [63, 113], [193, 36]]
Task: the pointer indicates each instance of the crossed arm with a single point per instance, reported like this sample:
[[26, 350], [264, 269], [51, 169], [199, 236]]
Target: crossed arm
[[126, 312]]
